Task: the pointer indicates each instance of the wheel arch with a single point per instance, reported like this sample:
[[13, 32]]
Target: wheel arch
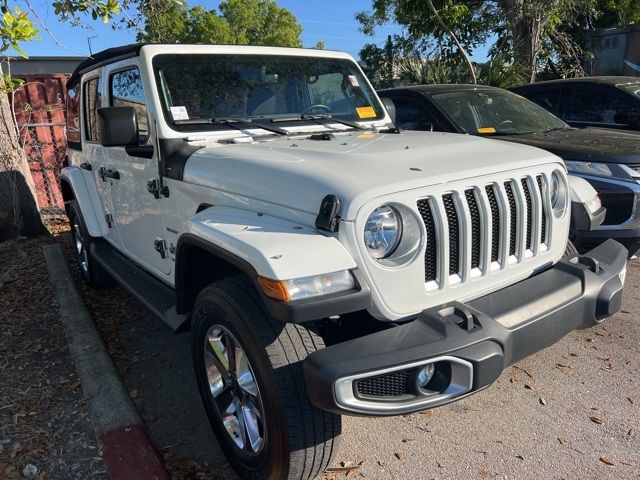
[[73, 186], [200, 263]]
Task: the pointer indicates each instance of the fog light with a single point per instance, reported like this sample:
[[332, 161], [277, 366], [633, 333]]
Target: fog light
[[425, 375]]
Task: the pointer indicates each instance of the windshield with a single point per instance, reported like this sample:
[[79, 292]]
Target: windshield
[[202, 87], [495, 112], [632, 88]]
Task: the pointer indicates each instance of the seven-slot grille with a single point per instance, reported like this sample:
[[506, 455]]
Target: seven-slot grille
[[503, 220]]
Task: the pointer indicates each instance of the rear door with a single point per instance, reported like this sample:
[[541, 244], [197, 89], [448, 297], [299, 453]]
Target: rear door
[[93, 155], [138, 214]]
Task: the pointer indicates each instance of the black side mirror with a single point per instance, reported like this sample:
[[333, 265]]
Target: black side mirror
[[391, 108], [118, 126]]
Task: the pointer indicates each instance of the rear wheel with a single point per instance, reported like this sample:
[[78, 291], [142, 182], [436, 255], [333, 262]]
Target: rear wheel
[[249, 371], [90, 270]]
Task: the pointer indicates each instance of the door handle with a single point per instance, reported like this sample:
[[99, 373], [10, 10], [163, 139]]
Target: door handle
[[104, 174], [86, 166]]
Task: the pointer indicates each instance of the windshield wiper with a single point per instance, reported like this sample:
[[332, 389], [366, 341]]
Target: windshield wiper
[[317, 118], [230, 121]]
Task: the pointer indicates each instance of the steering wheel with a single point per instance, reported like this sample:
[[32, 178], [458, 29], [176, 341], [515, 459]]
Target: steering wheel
[[310, 108], [505, 123]]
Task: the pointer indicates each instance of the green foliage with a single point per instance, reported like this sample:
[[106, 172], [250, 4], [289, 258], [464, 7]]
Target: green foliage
[[15, 28], [239, 22], [72, 10], [530, 33]]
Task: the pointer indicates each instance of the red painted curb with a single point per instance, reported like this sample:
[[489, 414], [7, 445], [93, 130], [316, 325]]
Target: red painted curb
[[129, 454]]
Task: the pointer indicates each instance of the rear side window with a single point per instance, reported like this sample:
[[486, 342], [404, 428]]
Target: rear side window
[[549, 100], [126, 91], [73, 116], [92, 102], [595, 106]]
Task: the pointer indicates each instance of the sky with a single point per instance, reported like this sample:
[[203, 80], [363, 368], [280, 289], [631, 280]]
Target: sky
[[331, 21]]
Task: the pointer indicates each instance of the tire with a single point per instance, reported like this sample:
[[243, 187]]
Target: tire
[[570, 250], [298, 440], [91, 271]]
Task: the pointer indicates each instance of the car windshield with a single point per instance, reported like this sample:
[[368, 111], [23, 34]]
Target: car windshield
[[495, 112], [196, 90], [632, 88]]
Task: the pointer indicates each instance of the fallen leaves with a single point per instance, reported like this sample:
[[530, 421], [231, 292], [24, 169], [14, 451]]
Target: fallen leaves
[[542, 401], [399, 455], [517, 367], [485, 473], [607, 461], [597, 420], [631, 432]]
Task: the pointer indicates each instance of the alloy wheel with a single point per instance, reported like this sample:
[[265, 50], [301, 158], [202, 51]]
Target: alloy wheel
[[234, 390]]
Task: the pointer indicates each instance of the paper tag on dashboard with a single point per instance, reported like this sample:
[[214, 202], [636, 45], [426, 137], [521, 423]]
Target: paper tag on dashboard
[[353, 80], [366, 112], [179, 113]]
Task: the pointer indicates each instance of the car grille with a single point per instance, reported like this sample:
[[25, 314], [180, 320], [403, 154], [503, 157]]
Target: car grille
[[505, 222]]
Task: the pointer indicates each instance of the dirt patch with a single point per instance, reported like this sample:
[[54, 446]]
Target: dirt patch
[[45, 430]]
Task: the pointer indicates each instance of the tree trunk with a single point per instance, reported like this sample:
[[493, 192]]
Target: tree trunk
[[526, 20], [18, 209]]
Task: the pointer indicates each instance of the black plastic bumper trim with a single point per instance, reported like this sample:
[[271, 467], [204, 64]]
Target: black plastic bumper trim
[[540, 310]]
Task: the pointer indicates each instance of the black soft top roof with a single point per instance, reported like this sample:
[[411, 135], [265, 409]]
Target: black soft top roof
[[105, 56]]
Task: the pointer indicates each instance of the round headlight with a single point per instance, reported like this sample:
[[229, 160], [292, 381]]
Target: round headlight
[[559, 194], [382, 231]]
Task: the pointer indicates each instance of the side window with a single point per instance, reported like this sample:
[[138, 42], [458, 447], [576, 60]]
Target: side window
[[126, 91], [73, 114], [92, 102], [595, 106], [548, 100], [410, 116]]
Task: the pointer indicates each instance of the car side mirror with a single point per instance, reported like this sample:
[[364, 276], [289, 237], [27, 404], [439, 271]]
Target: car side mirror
[[118, 126], [391, 108]]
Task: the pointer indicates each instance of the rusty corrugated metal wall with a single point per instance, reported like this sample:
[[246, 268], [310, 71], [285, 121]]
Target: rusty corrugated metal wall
[[40, 115]]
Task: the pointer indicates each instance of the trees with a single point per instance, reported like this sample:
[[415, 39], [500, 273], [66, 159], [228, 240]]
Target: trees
[[529, 33], [240, 22]]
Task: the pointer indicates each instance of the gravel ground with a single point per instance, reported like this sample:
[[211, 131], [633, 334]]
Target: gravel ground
[[568, 412], [45, 431]]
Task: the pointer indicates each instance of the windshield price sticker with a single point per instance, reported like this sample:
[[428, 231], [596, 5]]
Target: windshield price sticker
[[486, 130], [179, 113], [366, 112], [353, 80]]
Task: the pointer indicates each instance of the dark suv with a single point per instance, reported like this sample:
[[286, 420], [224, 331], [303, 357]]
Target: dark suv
[[606, 102]]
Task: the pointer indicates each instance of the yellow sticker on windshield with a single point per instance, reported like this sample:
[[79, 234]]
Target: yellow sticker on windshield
[[486, 130], [366, 112]]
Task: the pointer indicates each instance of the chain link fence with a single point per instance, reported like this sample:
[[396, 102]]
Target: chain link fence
[[40, 117]]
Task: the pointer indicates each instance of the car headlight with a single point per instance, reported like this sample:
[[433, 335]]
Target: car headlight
[[382, 232], [559, 194], [610, 170]]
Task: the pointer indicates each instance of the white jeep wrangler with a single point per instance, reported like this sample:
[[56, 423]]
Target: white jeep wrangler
[[325, 262]]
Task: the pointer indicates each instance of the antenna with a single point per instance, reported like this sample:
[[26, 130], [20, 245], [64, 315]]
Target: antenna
[[89, 43]]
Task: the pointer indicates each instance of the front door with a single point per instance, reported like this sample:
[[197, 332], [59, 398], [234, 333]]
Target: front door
[[138, 214]]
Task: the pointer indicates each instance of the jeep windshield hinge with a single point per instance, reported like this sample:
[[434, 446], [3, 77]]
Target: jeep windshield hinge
[[328, 218], [155, 189], [161, 247]]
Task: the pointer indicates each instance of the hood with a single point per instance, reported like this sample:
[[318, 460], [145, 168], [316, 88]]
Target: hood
[[585, 144], [297, 173]]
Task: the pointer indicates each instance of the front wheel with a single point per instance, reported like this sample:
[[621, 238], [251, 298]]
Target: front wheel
[[249, 371]]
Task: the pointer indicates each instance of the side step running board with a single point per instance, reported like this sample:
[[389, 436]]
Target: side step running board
[[151, 292]]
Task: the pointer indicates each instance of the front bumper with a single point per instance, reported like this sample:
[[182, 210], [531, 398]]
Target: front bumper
[[469, 344]]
